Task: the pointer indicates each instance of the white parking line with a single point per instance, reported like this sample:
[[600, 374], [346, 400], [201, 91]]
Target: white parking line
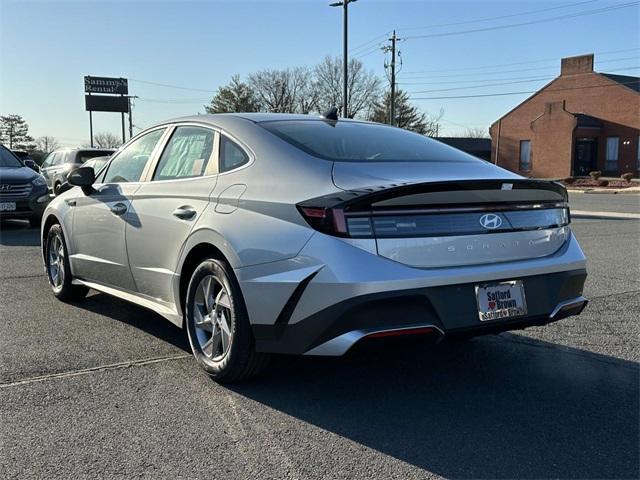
[[99, 368]]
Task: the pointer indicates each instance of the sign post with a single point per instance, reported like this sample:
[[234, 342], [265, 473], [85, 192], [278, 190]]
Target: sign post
[[113, 97]]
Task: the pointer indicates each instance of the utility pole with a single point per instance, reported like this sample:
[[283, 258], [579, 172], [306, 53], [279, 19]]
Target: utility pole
[[345, 61], [392, 114], [392, 78], [130, 116]]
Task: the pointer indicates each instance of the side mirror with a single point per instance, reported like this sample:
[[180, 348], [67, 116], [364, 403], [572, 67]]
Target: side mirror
[[83, 177], [32, 165]]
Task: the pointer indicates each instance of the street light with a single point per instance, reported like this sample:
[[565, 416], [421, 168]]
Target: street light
[[345, 64]]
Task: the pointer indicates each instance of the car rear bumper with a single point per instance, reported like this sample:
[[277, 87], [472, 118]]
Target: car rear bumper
[[437, 312], [334, 288]]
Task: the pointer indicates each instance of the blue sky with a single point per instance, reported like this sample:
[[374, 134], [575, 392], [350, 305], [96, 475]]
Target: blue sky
[[46, 47]]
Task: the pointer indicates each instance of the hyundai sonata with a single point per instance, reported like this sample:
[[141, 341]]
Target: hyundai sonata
[[270, 233]]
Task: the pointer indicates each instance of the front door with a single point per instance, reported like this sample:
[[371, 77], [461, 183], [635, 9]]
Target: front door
[[585, 156], [100, 219]]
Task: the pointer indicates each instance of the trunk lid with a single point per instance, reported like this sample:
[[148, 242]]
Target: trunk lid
[[437, 214]]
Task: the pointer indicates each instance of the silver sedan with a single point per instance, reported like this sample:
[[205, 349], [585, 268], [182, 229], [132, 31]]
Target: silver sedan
[[269, 233]]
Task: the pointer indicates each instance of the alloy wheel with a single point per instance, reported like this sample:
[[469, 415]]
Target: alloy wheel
[[212, 313], [55, 261]]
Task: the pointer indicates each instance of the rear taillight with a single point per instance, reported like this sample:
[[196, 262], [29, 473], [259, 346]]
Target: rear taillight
[[326, 220]]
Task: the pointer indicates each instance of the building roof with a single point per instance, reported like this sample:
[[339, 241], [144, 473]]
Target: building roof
[[467, 144], [585, 120], [627, 80]]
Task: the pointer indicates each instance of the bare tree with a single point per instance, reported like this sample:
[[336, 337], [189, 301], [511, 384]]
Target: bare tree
[[285, 91], [476, 132], [363, 87], [106, 140], [46, 144]]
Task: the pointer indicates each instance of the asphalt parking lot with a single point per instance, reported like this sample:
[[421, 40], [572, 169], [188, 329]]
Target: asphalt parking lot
[[105, 389]]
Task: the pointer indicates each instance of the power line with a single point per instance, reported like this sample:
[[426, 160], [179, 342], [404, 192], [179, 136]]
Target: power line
[[555, 59], [521, 24], [487, 19], [373, 40], [482, 86], [172, 86], [458, 75], [525, 92]]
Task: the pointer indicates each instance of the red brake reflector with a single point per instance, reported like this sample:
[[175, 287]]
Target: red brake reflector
[[314, 212]]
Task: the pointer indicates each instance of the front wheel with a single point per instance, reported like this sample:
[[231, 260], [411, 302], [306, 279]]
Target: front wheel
[[57, 266], [218, 324]]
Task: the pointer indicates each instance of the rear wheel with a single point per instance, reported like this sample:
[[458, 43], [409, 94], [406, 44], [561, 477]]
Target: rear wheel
[[57, 266], [56, 188], [218, 325]]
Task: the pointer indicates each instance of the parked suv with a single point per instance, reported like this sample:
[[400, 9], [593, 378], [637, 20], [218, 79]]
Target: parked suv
[[23, 192], [268, 233], [59, 163]]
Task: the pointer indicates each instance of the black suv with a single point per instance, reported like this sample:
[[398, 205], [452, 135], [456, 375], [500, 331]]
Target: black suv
[[59, 163], [23, 192]]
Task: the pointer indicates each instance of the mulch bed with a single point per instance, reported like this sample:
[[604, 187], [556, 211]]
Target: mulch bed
[[591, 183]]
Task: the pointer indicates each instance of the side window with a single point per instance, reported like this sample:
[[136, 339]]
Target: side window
[[231, 155], [57, 158], [611, 163], [48, 161], [129, 164], [187, 154]]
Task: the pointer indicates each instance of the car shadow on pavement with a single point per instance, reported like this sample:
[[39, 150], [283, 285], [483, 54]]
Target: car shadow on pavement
[[18, 233], [501, 406], [135, 316]]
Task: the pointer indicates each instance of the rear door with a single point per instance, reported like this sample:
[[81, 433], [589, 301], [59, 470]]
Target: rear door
[[100, 219], [169, 205]]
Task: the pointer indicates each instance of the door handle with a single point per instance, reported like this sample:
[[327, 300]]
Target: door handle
[[119, 209], [184, 213]]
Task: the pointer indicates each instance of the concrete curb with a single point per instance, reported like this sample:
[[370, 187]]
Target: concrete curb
[[626, 191]]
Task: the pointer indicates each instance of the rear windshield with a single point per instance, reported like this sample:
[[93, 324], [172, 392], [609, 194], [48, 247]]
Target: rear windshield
[[362, 142], [84, 156]]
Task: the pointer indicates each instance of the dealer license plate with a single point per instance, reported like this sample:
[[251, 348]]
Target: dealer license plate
[[499, 301], [7, 206]]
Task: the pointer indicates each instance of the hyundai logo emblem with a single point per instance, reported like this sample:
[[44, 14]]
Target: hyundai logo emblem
[[5, 188], [490, 221]]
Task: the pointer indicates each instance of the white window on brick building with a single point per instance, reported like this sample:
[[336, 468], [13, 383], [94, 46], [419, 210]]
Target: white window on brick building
[[525, 155], [611, 163]]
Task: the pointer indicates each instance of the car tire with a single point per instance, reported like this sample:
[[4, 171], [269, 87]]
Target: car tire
[[56, 188], [57, 267], [221, 313]]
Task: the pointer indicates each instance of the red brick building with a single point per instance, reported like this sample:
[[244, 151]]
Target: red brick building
[[579, 122]]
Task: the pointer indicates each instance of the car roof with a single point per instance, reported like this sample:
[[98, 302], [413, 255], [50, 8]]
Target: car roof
[[230, 119]]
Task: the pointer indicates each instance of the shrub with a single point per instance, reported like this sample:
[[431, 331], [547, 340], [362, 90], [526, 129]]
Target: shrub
[[596, 174], [569, 180], [627, 177], [603, 183]]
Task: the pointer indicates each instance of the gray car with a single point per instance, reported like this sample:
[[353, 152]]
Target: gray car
[[269, 233], [60, 162]]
